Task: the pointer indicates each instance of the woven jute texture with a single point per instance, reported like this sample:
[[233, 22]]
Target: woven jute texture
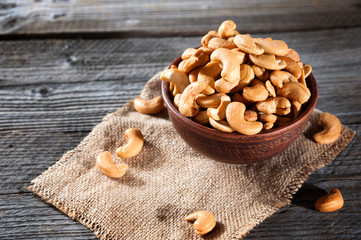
[[168, 180]]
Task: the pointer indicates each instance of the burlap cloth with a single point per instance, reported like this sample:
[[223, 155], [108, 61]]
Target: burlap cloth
[[168, 180]]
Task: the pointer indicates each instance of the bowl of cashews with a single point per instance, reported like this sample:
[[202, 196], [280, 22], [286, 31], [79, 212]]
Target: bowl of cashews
[[239, 99]]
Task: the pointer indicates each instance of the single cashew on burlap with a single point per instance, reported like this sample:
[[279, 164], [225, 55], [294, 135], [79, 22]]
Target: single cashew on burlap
[[152, 106], [331, 202], [204, 222], [134, 145], [331, 129], [106, 165]]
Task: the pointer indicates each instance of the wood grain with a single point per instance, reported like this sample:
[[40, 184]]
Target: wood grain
[[53, 92], [173, 17]]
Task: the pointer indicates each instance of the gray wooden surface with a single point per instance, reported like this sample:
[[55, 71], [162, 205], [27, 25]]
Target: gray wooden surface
[[173, 16], [54, 90]]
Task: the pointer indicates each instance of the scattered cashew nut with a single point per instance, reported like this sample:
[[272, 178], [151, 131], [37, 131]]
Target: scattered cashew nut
[[278, 78], [199, 58], [134, 145], [331, 129], [106, 165], [201, 118], [278, 105], [331, 202], [187, 104], [267, 61], [209, 101], [227, 29], [270, 46], [294, 91], [151, 106], [246, 43], [216, 42], [250, 115], [221, 125], [235, 118], [231, 64], [204, 222], [220, 112], [177, 77]]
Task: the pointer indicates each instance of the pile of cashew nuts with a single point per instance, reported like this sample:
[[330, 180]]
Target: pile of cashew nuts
[[233, 82]]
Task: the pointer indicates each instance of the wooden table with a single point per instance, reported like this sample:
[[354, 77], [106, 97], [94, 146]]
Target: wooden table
[[65, 64]]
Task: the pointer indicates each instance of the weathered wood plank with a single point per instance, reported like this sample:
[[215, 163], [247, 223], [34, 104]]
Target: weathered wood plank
[[52, 92], [172, 16]]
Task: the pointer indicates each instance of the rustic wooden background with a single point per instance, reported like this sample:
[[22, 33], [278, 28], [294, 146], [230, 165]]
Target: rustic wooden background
[[64, 64]]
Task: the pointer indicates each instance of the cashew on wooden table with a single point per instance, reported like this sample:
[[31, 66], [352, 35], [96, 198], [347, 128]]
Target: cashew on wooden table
[[331, 129], [261, 79], [330, 202]]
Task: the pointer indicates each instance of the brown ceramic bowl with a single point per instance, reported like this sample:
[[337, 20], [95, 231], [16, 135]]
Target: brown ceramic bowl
[[235, 147]]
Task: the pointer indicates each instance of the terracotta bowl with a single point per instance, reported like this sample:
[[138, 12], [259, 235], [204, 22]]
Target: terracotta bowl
[[235, 147]]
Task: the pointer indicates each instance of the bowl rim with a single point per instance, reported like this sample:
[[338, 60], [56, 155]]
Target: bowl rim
[[236, 135]]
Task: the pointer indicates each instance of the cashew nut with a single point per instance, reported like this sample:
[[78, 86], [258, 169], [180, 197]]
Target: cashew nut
[[207, 37], [293, 55], [278, 105], [291, 66], [201, 118], [152, 106], [134, 145], [204, 221], [246, 43], [221, 125], [187, 104], [267, 61], [173, 67], [260, 72], [307, 70], [211, 101], [235, 118], [267, 126], [275, 47], [177, 77], [207, 74], [265, 117], [250, 115], [220, 112], [256, 93], [242, 57], [188, 53], [330, 202], [176, 100], [231, 64], [331, 129], [108, 167], [246, 76], [193, 75], [227, 29], [296, 106], [199, 58], [295, 91], [216, 42], [238, 98], [278, 78], [270, 88], [181, 64]]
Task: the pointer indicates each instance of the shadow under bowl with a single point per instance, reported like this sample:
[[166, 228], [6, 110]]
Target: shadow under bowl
[[235, 147]]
